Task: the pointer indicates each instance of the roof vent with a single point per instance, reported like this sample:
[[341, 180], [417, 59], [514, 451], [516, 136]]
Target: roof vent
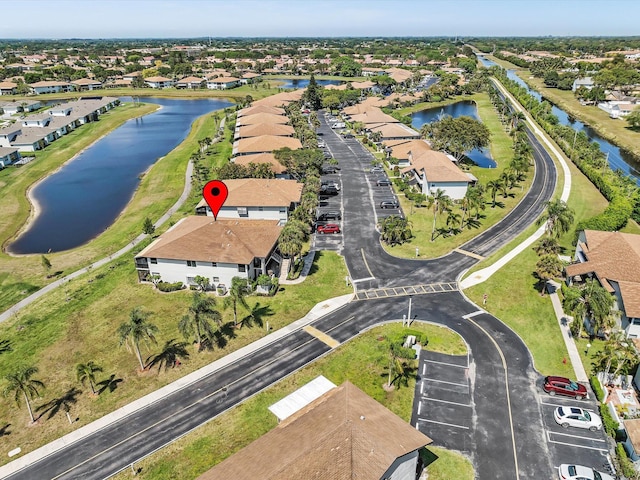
[[361, 417]]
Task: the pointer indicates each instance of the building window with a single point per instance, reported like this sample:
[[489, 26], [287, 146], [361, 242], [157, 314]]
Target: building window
[[242, 268], [283, 210], [153, 260], [260, 209], [242, 212], [216, 279], [191, 263], [214, 264]]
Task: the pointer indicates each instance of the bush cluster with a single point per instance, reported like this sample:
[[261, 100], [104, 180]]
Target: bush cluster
[[169, 287], [595, 385]]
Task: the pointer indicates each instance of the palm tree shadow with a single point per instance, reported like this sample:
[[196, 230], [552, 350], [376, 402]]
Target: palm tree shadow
[[110, 384], [227, 332], [5, 346], [472, 223], [4, 431], [64, 403], [256, 315]]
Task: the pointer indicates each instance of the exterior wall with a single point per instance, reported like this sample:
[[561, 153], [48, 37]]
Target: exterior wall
[[403, 468], [7, 91], [455, 190], [254, 213], [178, 271]]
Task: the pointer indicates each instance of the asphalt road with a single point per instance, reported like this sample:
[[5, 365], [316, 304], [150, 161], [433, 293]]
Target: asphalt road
[[505, 435]]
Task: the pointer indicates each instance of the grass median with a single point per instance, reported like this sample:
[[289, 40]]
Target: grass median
[[77, 323], [362, 361]]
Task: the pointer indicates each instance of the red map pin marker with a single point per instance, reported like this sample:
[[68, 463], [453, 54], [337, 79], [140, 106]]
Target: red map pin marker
[[215, 193]]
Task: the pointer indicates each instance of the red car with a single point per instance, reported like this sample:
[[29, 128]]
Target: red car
[[328, 228], [564, 386]]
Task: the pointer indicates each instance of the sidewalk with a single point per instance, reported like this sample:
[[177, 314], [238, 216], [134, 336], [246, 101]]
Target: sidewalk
[[322, 308], [564, 321], [308, 261]]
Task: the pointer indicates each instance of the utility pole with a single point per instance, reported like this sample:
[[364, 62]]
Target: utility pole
[[409, 312]]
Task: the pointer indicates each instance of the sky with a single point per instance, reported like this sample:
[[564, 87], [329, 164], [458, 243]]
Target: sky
[[313, 18]]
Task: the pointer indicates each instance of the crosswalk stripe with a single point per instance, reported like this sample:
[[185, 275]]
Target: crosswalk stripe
[[373, 294]]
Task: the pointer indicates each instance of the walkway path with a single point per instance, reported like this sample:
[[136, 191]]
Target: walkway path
[[61, 281], [564, 321], [308, 261], [483, 274]]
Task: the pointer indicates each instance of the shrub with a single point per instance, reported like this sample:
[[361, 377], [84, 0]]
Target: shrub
[[625, 464], [597, 388], [609, 423], [169, 287]]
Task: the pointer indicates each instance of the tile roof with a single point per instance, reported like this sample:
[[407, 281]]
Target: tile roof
[[265, 144], [395, 130], [342, 435], [610, 256], [403, 150], [279, 130], [260, 109], [261, 192], [262, 117], [280, 99], [49, 84], [157, 79], [203, 239], [437, 167], [269, 158], [373, 115]]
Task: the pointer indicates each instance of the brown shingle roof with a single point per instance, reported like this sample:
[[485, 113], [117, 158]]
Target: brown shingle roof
[[437, 167], [269, 158], [413, 147], [261, 192], [373, 115], [260, 109], [203, 239], [610, 256], [262, 117], [395, 130], [279, 130], [344, 434], [265, 144]]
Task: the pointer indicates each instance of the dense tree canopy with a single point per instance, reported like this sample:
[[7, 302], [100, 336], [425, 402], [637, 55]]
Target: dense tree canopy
[[456, 135]]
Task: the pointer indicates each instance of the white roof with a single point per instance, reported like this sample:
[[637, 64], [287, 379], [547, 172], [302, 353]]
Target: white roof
[[301, 397]]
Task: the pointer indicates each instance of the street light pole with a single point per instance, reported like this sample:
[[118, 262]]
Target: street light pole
[[409, 313]]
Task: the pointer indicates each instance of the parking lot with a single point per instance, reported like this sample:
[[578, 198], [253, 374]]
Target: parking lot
[[572, 445], [443, 402]]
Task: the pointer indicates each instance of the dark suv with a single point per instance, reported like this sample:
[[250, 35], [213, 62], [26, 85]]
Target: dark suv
[[329, 216], [389, 204]]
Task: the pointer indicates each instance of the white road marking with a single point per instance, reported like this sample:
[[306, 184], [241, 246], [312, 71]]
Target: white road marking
[[419, 407], [421, 388], [443, 423], [449, 383], [473, 314], [550, 432], [579, 446], [424, 369], [447, 364], [446, 401]]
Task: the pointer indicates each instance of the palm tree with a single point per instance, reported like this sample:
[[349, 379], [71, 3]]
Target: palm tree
[[548, 267], [170, 356], [439, 202], [589, 301], [493, 186], [137, 329], [21, 385], [557, 218], [197, 322], [237, 293], [402, 364], [547, 246], [452, 220], [395, 230], [85, 372]]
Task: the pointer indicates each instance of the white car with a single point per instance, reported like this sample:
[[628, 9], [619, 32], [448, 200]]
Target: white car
[[577, 417], [579, 472]]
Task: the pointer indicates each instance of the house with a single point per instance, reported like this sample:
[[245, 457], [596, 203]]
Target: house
[[250, 77], [8, 88], [586, 82], [432, 170], [373, 116], [15, 107], [612, 258], [280, 99], [394, 131], [619, 108], [218, 250], [261, 118], [8, 156], [258, 198], [51, 87], [343, 434], [264, 144], [222, 83], [279, 130], [276, 167], [245, 112], [158, 82], [403, 150], [86, 84], [192, 83]]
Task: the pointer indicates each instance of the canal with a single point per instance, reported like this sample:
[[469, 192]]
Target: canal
[[618, 159], [84, 197]]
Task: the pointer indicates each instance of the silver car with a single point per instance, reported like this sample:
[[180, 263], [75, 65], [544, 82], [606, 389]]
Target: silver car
[[577, 417]]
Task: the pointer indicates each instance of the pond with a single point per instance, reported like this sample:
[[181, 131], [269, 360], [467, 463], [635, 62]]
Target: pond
[[618, 158], [84, 197], [481, 157], [302, 82]]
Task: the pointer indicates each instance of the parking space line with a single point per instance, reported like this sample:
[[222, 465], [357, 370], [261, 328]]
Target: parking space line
[[445, 363], [447, 401], [419, 407], [449, 383], [566, 406], [424, 369], [550, 432], [443, 423], [421, 388], [579, 446]]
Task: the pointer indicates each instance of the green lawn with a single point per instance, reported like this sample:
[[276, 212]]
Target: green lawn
[[362, 361], [77, 323], [422, 218]]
